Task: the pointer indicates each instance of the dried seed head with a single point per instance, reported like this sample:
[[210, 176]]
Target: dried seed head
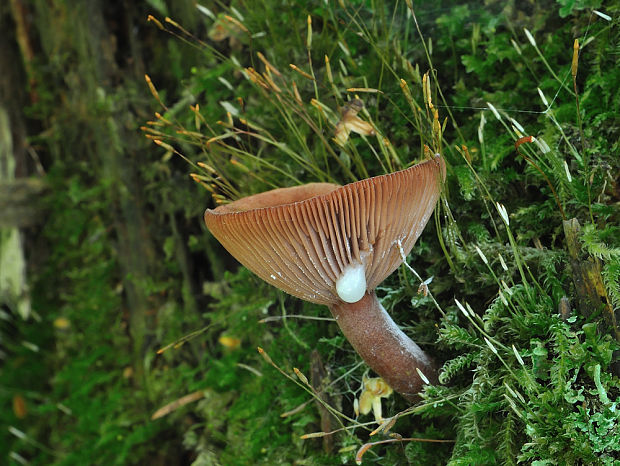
[[268, 65], [328, 69], [575, 63], [529, 36], [156, 21], [301, 72], [296, 94], [494, 110]]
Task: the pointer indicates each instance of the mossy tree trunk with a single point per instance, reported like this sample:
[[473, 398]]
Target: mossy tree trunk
[[17, 193], [89, 75]]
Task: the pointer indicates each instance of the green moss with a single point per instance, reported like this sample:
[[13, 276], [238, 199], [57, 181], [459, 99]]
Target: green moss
[[522, 380]]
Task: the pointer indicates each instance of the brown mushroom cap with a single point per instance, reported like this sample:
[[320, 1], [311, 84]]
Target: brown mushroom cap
[[301, 239]]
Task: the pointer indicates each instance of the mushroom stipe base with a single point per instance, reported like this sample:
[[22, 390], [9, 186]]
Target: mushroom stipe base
[[384, 346]]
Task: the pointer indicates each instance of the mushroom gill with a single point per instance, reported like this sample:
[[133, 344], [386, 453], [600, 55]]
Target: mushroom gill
[[334, 245]]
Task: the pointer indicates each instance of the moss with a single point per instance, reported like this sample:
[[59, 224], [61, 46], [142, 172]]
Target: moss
[[527, 375]]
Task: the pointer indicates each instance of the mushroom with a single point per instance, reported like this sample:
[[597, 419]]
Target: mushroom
[[334, 245]]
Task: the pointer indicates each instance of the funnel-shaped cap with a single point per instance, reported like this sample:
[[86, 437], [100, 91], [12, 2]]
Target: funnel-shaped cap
[[304, 239]]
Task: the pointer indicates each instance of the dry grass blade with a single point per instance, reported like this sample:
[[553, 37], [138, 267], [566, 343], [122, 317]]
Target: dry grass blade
[[176, 404], [367, 446], [183, 339]]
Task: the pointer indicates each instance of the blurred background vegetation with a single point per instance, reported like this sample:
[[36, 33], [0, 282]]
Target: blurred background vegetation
[[128, 336]]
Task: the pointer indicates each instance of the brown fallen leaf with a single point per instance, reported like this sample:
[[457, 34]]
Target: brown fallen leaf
[[351, 122]]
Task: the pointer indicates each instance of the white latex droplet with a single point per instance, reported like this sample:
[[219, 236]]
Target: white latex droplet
[[351, 285]]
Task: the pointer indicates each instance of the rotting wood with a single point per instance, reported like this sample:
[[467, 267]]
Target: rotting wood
[[13, 284], [589, 286], [21, 202]]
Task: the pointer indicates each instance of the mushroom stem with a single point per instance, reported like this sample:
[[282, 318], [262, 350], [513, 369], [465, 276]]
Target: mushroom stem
[[384, 346]]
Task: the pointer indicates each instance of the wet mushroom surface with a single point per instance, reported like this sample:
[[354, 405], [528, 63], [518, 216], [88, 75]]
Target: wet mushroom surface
[[333, 245]]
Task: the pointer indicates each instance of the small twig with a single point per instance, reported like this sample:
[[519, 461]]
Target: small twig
[[367, 446]]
